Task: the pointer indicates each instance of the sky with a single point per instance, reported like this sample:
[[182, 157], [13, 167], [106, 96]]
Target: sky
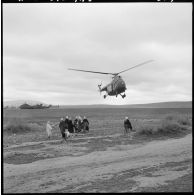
[[41, 41]]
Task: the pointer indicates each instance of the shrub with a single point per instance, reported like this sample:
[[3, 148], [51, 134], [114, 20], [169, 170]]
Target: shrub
[[16, 126], [171, 124], [184, 120], [168, 127], [145, 130], [169, 117], [181, 119]]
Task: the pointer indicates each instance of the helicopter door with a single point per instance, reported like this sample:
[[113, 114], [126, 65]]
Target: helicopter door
[[109, 88], [114, 84]]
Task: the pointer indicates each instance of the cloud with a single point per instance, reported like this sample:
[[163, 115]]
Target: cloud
[[41, 41]]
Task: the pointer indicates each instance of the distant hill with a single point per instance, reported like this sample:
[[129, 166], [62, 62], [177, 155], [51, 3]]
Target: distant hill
[[181, 104], [18, 103], [187, 104]]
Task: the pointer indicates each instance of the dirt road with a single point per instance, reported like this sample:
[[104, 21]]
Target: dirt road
[[164, 165]]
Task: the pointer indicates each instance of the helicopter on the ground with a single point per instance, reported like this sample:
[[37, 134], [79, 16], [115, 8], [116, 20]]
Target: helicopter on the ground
[[117, 85]]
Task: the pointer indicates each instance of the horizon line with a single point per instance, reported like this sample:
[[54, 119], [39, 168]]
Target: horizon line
[[119, 104]]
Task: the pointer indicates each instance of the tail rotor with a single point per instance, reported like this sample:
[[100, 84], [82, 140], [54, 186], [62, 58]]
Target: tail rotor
[[99, 86]]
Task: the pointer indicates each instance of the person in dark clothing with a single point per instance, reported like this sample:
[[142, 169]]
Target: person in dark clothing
[[66, 121], [62, 128], [85, 124], [76, 124], [70, 126], [80, 122], [127, 126], [66, 126]]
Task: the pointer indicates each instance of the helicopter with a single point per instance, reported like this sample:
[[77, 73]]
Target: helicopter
[[117, 86]]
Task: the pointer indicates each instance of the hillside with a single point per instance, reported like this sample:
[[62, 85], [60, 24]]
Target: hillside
[[184, 104], [179, 104], [187, 104]]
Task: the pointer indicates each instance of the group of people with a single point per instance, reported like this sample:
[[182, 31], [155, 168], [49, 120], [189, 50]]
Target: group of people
[[81, 125], [68, 126]]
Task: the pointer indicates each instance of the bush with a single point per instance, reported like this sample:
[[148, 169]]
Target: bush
[[145, 130], [169, 127], [171, 124], [16, 126], [184, 120], [170, 117], [181, 119]]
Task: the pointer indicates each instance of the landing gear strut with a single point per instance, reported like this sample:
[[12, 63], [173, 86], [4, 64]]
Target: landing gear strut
[[123, 96], [106, 95]]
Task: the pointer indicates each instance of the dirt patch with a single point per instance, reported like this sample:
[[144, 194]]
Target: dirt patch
[[118, 166], [20, 158], [125, 181], [30, 147], [31, 153], [101, 185], [182, 184]]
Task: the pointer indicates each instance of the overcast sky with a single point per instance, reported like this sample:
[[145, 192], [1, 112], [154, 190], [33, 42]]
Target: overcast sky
[[41, 41]]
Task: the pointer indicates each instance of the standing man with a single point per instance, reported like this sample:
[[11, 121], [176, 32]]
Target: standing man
[[66, 122], [76, 124], [62, 128], [70, 125], [85, 124], [80, 122], [127, 126]]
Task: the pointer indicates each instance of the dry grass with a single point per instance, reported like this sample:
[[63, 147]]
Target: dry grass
[[18, 126], [179, 118], [171, 124], [29, 125]]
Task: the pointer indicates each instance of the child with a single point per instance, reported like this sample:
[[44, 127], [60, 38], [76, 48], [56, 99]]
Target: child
[[67, 134], [48, 129]]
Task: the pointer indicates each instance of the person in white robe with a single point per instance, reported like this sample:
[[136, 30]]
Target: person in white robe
[[49, 129]]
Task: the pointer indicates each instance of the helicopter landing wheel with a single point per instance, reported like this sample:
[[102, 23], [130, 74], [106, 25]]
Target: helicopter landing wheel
[[104, 96], [123, 96]]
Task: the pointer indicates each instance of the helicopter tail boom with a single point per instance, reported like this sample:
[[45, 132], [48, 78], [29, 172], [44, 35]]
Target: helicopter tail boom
[[99, 86]]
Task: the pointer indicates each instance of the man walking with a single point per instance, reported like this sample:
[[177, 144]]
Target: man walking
[[76, 124], [70, 125], [127, 127], [85, 124], [62, 128]]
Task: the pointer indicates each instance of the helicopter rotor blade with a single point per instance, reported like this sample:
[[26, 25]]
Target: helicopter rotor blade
[[135, 66], [114, 74], [90, 71]]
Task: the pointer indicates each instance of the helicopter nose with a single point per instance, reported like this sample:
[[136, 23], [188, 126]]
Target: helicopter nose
[[121, 87], [123, 84]]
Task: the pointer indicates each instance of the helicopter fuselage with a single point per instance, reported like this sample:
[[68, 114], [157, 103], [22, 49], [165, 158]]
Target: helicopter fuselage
[[115, 87]]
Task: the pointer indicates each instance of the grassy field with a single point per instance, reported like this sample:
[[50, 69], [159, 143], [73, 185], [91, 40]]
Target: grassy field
[[157, 158], [103, 121]]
